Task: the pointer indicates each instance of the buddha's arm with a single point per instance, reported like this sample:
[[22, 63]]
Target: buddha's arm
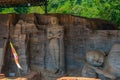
[[103, 73]]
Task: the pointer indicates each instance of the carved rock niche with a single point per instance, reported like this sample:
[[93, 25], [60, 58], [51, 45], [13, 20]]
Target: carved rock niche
[[55, 45]]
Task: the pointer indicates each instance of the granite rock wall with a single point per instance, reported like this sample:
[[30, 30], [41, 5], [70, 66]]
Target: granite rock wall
[[80, 36]]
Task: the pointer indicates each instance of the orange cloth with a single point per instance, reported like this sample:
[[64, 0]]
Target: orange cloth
[[76, 78], [15, 55]]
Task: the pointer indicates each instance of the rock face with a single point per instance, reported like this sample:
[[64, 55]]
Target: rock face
[[112, 64], [1, 58], [55, 47]]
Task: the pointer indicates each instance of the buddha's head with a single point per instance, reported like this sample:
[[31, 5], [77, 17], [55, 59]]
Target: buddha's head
[[95, 58], [53, 20]]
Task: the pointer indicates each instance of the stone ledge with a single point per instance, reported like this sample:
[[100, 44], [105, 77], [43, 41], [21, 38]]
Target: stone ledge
[[32, 76]]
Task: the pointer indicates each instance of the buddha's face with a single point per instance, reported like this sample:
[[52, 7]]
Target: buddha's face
[[95, 58], [53, 20]]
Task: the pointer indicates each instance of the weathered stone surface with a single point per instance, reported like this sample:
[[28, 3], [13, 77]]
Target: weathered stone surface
[[79, 36], [37, 50], [68, 20], [1, 58], [112, 64], [32, 76]]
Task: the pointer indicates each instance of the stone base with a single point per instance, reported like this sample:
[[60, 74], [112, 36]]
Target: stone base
[[32, 76]]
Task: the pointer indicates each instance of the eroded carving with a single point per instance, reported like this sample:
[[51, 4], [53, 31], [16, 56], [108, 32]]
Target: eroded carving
[[55, 34], [47, 46], [94, 66], [21, 47], [94, 58]]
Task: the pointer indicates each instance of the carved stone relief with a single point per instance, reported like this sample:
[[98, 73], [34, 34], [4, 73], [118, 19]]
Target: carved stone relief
[[99, 66], [58, 49], [21, 47], [94, 66], [55, 34], [112, 64]]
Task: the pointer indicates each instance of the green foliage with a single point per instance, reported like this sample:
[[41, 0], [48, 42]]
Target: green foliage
[[7, 10], [105, 9], [36, 9], [21, 9], [1, 9]]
